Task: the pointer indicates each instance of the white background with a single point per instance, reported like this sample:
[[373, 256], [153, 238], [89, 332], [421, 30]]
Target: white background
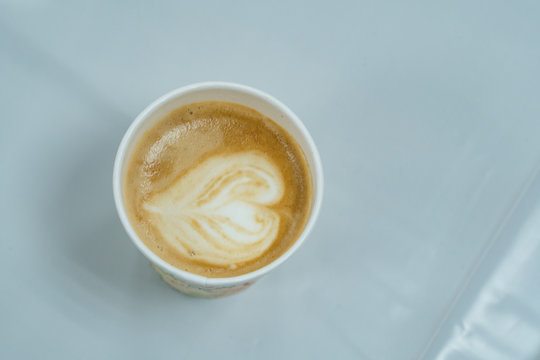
[[427, 118]]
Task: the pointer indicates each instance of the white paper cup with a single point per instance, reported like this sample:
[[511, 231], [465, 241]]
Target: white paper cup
[[193, 284]]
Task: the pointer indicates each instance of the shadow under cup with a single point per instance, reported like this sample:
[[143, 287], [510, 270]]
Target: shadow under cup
[[188, 283]]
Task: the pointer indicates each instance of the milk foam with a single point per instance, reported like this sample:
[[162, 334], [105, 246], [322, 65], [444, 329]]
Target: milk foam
[[219, 211]]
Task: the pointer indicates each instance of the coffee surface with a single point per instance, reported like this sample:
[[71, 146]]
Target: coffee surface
[[217, 189]]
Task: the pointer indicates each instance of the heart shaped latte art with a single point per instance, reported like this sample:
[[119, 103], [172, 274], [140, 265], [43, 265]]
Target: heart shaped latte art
[[219, 211]]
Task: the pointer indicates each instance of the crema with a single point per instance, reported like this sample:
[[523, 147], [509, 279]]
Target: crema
[[217, 189]]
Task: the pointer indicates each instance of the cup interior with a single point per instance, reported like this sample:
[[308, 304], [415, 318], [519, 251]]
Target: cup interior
[[216, 91]]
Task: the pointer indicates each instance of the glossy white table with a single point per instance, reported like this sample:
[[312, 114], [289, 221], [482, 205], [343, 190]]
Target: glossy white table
[[427, 118]]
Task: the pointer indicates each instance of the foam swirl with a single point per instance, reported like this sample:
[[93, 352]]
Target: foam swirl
[[218, 212]]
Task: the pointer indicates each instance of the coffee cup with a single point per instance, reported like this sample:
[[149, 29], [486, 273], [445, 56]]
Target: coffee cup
[[188, 282]]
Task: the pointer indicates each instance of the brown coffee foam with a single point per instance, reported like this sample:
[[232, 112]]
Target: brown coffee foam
[[196, 132]]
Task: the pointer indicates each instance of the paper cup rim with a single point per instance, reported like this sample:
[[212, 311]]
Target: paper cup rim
[[155, 259]]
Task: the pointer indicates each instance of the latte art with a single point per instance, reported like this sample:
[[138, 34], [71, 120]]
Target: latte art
[[219, 211], [217, 189]]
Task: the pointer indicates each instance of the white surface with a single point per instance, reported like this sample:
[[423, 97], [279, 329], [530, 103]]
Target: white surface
[[427, 120]]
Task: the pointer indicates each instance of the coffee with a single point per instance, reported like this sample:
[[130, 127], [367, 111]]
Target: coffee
[[217, 189]]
